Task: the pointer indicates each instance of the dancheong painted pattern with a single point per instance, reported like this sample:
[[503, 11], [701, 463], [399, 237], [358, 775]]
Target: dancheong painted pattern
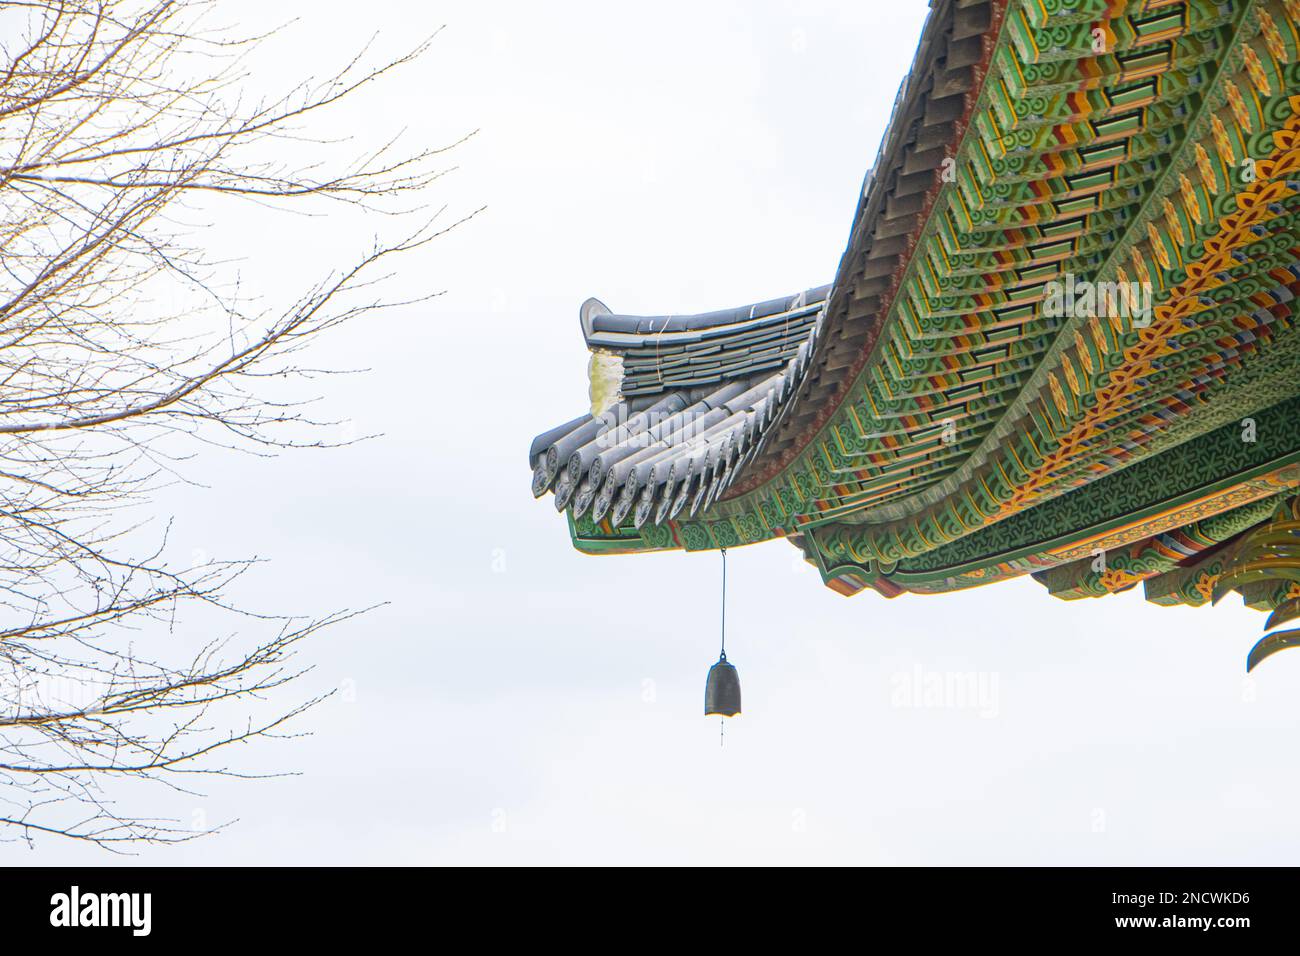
[[1062, 339]]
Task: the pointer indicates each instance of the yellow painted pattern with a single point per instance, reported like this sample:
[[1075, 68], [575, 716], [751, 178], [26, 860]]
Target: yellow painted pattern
[[1169, 317]]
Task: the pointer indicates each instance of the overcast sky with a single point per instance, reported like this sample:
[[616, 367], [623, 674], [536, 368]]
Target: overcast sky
[[517, 702]]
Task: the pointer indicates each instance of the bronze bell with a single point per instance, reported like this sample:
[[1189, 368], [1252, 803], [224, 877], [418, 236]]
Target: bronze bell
[[722, 689]]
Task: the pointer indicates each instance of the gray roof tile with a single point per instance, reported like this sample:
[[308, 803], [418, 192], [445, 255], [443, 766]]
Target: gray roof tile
[[699, 395]]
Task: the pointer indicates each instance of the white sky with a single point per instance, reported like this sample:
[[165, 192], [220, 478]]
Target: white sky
[[669, 158]]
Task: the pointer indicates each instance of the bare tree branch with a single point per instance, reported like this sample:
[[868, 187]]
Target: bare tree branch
[[122, 350]]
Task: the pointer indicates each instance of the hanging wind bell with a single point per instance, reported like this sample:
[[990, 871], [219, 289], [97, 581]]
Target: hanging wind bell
[[722, 689]]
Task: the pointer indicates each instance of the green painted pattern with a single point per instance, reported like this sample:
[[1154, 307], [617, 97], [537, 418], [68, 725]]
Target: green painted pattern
[[1118, 166]]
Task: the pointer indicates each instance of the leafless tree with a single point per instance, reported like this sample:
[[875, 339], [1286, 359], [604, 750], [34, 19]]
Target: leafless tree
[[122, 344]]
